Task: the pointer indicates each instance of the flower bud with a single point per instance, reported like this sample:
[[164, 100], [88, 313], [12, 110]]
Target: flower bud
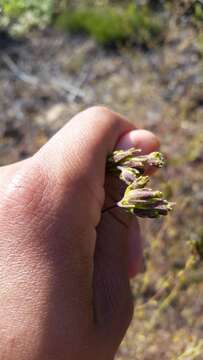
[[141, 162], [145, 203], [131, 158], [120, 156], [130, 166], [138, 183], [128, 175]]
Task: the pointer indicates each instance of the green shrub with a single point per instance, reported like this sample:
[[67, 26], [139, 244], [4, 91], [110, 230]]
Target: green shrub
[[106, 25], [20, 15], [146, 26], [198, 11], [109, 25], [113, 25]]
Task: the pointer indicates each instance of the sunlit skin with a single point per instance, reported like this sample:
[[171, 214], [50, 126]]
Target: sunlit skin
[[65, 265]]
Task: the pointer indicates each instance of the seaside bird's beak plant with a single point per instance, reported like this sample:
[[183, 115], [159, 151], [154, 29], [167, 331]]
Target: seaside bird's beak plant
[[130, 166]]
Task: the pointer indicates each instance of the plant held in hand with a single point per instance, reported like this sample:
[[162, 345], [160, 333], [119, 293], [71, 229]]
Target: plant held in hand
[[132, 158], [131, 167]]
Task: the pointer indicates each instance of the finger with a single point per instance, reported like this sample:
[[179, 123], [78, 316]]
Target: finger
[[113, 303], [141, 139], [135, 249]]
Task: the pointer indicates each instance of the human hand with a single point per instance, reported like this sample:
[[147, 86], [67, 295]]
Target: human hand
[[64, 266]]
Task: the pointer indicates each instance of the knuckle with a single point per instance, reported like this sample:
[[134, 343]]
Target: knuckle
[[98, 110], [104, 119], [26, 189]]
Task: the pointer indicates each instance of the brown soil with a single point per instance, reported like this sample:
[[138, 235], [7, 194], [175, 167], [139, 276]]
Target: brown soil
[[47, 78]]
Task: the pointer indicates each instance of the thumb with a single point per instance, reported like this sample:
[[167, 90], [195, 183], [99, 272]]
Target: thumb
[[81, 147]]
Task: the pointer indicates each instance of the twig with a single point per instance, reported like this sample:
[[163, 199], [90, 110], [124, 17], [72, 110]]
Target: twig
[[18, 73], [82, 78], [56, 83], [67, 87]]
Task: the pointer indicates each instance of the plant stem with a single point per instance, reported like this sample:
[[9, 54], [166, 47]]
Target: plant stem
[[109, 208]]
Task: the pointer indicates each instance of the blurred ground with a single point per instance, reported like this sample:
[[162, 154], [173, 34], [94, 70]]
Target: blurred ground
[[48, 77]]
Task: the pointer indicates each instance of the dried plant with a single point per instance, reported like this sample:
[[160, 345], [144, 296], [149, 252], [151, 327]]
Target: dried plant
[[130, 166]]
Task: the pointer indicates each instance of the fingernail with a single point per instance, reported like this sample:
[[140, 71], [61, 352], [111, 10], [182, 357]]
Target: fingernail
[[141, 139]]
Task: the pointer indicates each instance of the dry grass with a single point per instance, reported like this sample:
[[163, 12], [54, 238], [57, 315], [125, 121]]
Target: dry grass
[[161, 90]]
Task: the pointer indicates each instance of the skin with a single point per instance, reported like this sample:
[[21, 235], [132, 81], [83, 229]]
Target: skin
[[65, 266]]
